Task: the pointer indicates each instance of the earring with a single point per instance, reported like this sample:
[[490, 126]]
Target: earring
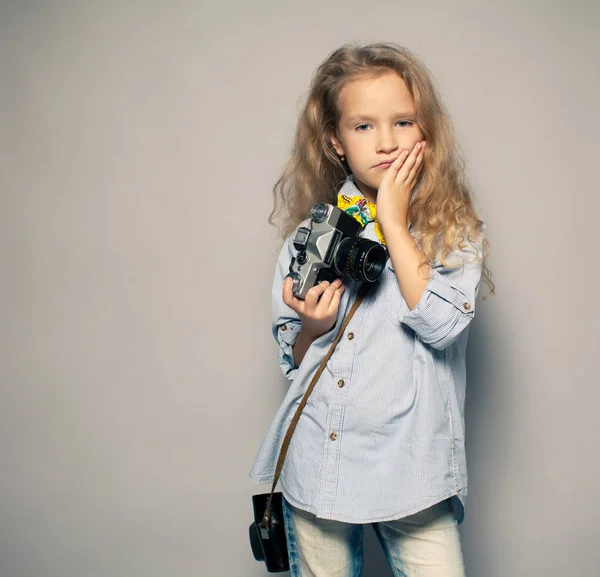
[[343, 158]]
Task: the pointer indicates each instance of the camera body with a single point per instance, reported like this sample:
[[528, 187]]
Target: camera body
[[330, 248]]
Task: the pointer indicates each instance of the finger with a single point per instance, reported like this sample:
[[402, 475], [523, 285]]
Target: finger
[[393, 168], [401, 158], [287, 290], [412, 175], [325, 300], [335, 301], [409, 164], [312, 296], [288, 296]]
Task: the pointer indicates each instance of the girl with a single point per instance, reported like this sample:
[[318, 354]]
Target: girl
[[381, 439]]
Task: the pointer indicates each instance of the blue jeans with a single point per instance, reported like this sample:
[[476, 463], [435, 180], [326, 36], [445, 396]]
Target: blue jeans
[[426, 544]]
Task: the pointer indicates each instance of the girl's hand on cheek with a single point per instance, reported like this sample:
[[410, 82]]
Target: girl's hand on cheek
[[393, 195], [318, 311]]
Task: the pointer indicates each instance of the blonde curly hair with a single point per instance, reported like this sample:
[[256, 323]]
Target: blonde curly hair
[[441, 212]]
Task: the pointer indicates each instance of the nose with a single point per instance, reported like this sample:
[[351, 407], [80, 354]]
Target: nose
[[386, 142]]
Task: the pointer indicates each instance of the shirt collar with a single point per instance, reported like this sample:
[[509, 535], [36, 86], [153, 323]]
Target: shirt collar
[[349, 187]]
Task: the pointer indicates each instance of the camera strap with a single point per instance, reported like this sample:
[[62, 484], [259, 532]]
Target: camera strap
[[364, 289]]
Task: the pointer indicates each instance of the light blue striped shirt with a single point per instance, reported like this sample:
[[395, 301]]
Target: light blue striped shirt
[[382, 435]]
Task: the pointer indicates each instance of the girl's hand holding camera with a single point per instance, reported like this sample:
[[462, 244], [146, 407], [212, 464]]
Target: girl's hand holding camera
[[318, 311]]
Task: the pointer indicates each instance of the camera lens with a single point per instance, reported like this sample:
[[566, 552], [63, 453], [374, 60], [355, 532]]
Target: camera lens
[[360, 258]]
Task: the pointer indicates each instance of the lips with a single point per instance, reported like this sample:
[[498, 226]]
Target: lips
[[384, 164]]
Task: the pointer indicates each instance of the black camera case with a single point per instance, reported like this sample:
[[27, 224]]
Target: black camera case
[[267, 537]]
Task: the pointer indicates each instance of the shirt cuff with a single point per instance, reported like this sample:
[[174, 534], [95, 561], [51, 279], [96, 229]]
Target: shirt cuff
[[287, 334], [451, 294], [441, 313]]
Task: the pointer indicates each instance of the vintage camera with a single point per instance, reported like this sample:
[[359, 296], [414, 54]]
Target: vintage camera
[[330, 248], [267, 536]]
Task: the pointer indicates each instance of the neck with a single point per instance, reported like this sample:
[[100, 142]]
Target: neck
[[369, 192]]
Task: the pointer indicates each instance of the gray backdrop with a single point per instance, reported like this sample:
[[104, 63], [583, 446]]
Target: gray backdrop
[[139, 142]]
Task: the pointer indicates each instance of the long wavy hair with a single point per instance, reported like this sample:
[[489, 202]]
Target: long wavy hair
[[441, 214]]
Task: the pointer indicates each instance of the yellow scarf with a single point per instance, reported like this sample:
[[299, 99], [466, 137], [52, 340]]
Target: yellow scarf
[[362, 210]]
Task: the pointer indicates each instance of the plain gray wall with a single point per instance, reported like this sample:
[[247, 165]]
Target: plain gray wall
[[139, 142]]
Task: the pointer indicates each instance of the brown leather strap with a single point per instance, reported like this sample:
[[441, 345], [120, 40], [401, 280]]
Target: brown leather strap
[[288, 436]]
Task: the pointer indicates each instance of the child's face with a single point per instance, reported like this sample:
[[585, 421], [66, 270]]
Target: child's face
[[377, 122]]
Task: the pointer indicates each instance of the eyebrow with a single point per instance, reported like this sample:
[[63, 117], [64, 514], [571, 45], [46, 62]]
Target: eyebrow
[[357, 117]]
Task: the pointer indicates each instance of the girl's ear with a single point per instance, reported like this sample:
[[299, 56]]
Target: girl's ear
[[337, 145]]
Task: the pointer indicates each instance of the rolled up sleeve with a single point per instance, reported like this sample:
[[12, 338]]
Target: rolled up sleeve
[[286, 335], [286, 324], [447, 305]]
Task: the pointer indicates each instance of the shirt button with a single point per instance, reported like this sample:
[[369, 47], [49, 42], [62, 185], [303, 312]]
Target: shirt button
[[333, 435], [467, 306], [341, 383], [283, 327], [350, 336]]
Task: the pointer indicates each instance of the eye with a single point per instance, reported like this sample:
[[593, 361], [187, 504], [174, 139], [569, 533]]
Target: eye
[[360, 127], [404, 123]]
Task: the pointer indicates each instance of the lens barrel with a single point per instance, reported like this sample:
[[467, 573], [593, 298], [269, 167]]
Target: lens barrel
[[360, 258]]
